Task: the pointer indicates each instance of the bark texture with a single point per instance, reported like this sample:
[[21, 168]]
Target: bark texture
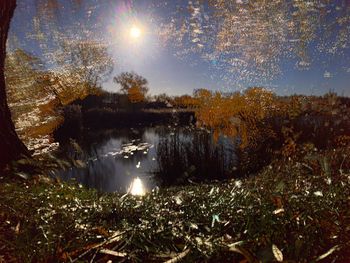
[[11, 147]]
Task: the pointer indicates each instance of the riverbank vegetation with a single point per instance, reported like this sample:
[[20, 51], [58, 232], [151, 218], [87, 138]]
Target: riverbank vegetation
[[286, 200], [291, 211]]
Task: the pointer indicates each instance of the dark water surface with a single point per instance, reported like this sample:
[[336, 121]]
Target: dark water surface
[[137, 160]]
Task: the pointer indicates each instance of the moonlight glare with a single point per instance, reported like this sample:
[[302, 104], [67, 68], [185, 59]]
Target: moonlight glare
[[135, 32], [137, 188]]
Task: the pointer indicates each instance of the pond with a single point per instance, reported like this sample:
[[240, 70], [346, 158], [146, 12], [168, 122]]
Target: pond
[[137, 160]]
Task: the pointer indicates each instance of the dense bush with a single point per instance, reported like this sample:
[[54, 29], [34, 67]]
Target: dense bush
[[266, 124]]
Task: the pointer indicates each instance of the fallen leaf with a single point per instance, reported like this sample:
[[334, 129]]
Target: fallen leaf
[[277, 253]]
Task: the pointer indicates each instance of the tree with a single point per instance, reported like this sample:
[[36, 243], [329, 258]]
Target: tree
[[21, 63], [163, 97], [135, 95], [24, 74], [185, 101], [11, 147], [86, 62], [132, 84], [237, 115]]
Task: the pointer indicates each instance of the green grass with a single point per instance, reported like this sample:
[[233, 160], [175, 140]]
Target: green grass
[[298, 206]]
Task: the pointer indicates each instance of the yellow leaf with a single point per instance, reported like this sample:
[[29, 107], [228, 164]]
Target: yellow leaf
[[277, 253]]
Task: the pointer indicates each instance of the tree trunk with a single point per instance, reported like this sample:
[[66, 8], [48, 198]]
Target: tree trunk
[[11, 147]]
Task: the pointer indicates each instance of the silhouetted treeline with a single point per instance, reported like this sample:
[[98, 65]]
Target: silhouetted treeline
[[112, 110]]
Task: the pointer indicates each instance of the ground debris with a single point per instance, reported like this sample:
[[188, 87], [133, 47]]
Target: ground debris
[[257, 220]]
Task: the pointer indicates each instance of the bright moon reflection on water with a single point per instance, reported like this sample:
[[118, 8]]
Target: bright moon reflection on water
[[136, 187], [135, 32]]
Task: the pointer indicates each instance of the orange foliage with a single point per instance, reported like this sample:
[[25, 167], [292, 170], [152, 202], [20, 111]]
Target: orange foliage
[[185, 101], [236, 114], [136, 95]]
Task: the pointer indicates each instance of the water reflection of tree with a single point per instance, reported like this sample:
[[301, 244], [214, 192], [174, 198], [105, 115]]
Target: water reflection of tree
[[88, 144], [184, 155], [98, 138]]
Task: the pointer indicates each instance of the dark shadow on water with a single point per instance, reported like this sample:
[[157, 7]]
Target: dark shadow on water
[[188, 154]]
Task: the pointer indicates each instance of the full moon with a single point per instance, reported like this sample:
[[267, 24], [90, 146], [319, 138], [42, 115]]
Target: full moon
[[135, 32]]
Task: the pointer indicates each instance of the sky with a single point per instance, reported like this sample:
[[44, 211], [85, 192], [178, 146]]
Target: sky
[[176, 66]]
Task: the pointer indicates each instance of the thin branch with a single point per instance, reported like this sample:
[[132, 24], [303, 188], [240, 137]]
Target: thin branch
[[113, 253], [178, 257], [115, 237]]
